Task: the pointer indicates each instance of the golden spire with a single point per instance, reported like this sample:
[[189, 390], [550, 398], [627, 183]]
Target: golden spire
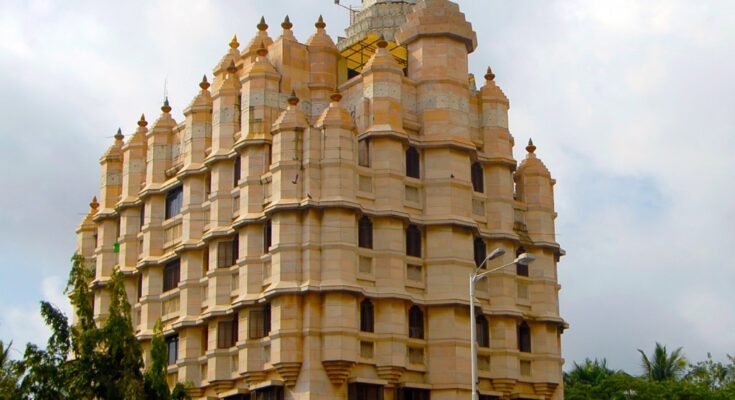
[[262, 50], [234, 43], [530, 148], [262, 26], [320, 23], [142, 122], [119, 135], [166, 107], [382, 43], [489, 75], [94, 205], [204, 84], [286, 24], [293, 100], [232, 68]]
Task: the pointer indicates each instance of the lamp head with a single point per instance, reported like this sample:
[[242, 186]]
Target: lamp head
[[525, 259], [495, 254]]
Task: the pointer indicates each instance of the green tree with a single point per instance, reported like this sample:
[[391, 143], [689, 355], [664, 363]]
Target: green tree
[[591, 372], [662, 366], [156, 387], [10, 373]]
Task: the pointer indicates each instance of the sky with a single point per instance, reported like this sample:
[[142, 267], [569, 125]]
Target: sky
[[631, 105]]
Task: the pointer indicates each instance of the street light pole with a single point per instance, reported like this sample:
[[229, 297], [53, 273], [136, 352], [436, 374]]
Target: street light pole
[[523, 259]]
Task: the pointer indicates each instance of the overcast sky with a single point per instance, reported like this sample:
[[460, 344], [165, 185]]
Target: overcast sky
[[631, 105]]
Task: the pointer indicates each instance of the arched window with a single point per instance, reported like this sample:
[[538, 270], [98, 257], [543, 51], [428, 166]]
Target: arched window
[[478, 180], [415, 323], [480, 250], [367, 316], [413, 165], [521, 269], [365, 233], [483, 331], [413, 241], [267, 228], [524, 337]]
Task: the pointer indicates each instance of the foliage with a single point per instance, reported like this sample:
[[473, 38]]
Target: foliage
[[156, 387], [590, 372], [10, 373], [663, 366]]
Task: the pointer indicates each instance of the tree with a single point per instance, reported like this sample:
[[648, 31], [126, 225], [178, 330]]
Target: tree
[[591, 372], [156, 387], [10, 373], [663, 366]]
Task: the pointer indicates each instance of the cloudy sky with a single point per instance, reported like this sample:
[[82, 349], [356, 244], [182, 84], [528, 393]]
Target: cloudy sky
[[631, 104]]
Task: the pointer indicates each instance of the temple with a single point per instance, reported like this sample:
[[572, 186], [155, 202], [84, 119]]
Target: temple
[[307, 228]]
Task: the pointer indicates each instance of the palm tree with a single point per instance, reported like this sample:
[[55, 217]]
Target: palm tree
[[10, 372], [591, 372], [663, 366]]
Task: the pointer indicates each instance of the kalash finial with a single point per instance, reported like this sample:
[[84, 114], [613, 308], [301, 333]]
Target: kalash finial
[[382, 43], [336, 97], [293, 100], [320, 23], [489, 75], [262, 50], [232, 68], [204, 84], [94, 205], [234, 43], [530, 148], [262, 26], [142, 122], [166, 107], [119, 135], [286, 24]]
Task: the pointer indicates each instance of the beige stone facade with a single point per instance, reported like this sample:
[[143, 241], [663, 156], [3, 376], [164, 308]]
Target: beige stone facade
[[307, 230]]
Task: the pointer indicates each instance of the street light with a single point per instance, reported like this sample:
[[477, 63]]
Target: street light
[[523, 259]]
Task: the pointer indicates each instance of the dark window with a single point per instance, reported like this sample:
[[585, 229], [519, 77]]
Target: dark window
[[482, 330], [205, 259], [367, 316], [207, 186], [228, 252], [413, 165], [478, 180], [488, 397], [415, 323], [237, 172], [259, 322], [172, 345], [174, 201], [205, 339], [267, 393], [365, 233], [267, 235], [480, 251], [351, 73], [226, 334], [171, 275], [524, 337], [363, 153], [413, 394], [140, 286], [521, 269], [413, 241], [364, 391], [141, 221]]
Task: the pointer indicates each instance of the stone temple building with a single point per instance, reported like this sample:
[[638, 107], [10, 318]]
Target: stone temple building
[[307, 229]]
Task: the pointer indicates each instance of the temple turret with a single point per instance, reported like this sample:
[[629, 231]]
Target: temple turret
[[323, 60]]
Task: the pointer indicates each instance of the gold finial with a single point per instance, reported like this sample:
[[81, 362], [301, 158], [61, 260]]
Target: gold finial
[[489, 75], [262, 50], [262, 26], [94, 205], [119, 135], [336, 97], [234, 43], [232, 68], [382, 43], [286, 24], [530, 148], [166, 107], [320, 23], [204, 84], [142, 122], [293, 100]]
